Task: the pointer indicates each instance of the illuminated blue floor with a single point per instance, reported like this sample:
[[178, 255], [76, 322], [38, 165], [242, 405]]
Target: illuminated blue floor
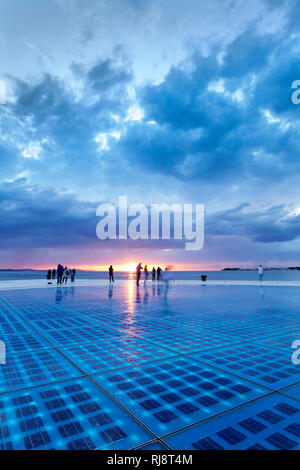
[[180, 368]]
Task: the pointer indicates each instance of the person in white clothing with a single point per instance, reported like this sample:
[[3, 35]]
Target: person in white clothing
[[260, 272], [167, 275]]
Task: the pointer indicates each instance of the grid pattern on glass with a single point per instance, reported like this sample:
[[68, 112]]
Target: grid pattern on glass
[[80, 335], [281, 341], [10, 323], [73, 415], [104, 355], [271, 423], [33, 368], [146, 350], [186, 341], [22, 342], [177, 392], [270, 367]]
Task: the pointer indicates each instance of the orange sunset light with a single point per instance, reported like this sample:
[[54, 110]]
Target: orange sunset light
[[130, 266], [117, 267]]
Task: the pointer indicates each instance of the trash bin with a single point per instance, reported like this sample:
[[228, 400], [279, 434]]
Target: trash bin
[[203, 278]]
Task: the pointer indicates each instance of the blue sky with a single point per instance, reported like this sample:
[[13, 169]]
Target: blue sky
[[162, 101]]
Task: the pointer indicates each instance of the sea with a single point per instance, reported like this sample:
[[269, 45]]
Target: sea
[[269, 275]]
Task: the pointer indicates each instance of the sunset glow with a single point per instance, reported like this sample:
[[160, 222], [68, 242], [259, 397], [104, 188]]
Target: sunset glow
[[128, 267]]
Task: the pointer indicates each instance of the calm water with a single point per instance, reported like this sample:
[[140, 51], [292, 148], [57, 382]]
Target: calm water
[[180, 275]]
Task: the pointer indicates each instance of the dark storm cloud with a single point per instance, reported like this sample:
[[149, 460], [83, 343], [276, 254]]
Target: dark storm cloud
[[41, 218], [274, 224]]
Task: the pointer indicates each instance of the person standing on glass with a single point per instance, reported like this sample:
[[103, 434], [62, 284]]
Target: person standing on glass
[[60, 270], [72, 274], [111, 274], [138, 273], [65, 275], [260, 272]]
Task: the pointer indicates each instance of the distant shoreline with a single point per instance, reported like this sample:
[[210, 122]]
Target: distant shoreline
[[290, 268]]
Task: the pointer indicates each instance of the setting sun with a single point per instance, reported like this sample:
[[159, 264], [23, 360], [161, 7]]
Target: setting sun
[[130, 267]]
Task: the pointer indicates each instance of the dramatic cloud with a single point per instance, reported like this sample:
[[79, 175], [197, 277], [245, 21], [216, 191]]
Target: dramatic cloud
[[34, 217], [274, 224]]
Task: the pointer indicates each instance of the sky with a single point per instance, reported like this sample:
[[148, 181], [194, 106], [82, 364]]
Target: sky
[[164, 101]]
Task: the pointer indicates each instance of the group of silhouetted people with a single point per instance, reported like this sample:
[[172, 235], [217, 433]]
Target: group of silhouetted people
[[156, 273], [62, 274]]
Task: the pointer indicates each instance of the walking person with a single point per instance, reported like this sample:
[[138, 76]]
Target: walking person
[[53, 273], [72, 274], [260, 273], [146, 272], [65, 275], [60, 270], [158, 273], [111, 274], [153, 274], [49, 275], [138, 273], [167, 276]]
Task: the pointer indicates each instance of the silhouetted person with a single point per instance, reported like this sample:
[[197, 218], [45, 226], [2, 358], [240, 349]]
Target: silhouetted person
[[111, 274], [138, 273], [72, 274], [146, 272], [53, 273], [65, 275], [60, 271], [49, 275], [153, 274], [158, 273]]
